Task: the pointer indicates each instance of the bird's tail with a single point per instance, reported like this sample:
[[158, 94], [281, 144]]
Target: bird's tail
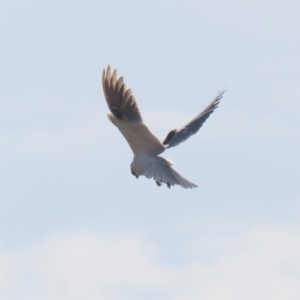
[[161, 170]]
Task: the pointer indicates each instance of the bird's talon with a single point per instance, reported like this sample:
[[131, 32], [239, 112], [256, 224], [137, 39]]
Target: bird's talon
[[169, 185], [158, 182]]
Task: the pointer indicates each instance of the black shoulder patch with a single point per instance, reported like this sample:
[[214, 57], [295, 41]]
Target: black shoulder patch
[[169, 136], [117, 113]]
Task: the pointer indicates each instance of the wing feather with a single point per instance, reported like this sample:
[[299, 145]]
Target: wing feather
[[126, 116], [177, 136]]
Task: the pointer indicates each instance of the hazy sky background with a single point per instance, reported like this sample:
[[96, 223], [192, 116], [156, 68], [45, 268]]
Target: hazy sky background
[[74, 222]]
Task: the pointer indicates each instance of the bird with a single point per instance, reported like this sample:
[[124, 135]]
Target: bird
[[146, 148]]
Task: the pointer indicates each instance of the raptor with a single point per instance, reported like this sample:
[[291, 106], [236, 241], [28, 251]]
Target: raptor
[[125, 115]]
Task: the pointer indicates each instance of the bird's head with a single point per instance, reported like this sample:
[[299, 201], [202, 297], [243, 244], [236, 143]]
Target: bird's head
[[134, 174], [139, 165]]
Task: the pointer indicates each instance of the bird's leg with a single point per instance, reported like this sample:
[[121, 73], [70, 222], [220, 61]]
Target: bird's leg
[[158, 182], [169, 185]]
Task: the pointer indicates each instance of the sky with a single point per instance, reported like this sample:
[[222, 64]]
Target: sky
[[74, 222]]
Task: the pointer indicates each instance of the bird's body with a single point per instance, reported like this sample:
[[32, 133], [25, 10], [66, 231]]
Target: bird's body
[[145, 146]]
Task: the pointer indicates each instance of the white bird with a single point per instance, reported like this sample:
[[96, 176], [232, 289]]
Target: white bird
[[125, 115]]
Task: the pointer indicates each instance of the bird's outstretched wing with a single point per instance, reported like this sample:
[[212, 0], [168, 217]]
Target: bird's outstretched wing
[[161, 171], [126, 116], [177, 136]]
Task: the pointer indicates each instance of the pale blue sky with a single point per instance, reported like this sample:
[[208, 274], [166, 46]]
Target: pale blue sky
[[74, 222]]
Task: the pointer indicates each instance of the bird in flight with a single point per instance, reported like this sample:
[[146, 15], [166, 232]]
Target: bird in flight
[[125, 115]]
